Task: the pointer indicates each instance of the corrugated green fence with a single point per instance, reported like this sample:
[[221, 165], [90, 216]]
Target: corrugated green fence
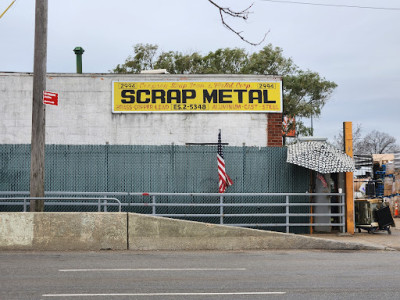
[[172, 169]]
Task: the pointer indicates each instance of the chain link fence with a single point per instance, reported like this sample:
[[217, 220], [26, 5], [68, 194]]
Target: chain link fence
[[162, 169]]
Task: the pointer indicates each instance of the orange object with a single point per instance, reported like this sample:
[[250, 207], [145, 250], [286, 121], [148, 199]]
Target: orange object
[[396, 210], [348, 147]]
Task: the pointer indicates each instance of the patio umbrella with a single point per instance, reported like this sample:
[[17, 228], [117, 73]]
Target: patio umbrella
[[319, 156]]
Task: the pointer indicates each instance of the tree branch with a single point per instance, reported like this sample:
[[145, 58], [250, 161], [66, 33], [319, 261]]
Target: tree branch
[[244, 14]]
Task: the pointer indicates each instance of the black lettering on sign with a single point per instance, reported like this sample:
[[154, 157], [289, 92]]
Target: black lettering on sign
[[174, 95], [240, 94], [223, 95], [157, 94], [265, 92], [208, 98], [139, 96], [188, 94], [128, 94], [255, 95]]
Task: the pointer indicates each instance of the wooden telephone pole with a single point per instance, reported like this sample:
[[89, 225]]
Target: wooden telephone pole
[[38, 108]]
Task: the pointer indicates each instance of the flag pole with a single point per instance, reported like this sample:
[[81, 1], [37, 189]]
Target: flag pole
[[221, 198], [223, 179]]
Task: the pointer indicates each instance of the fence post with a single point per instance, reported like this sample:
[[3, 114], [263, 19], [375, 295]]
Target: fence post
[[221, 210], [287, 214], [153, 200], [105, 206]]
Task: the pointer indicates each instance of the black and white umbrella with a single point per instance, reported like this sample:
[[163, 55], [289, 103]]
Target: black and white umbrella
[[319, 156]]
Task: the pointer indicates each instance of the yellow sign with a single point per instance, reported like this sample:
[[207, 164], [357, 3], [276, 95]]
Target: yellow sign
[[175, 97]]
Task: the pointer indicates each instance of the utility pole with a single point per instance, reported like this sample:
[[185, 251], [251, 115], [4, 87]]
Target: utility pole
[[38, 108]]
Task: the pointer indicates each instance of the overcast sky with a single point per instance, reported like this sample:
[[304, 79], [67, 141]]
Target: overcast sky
[[357, 48]]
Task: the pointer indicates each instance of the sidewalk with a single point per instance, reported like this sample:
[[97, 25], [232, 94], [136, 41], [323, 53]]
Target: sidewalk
[[380, 238]]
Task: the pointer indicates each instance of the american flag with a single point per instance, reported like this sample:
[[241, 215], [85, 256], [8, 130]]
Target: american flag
[[224, 180]]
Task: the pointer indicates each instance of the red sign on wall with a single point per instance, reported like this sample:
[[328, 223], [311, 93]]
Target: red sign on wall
[[50, 98]]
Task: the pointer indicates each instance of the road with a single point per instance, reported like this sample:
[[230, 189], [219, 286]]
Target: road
[[200, 275]]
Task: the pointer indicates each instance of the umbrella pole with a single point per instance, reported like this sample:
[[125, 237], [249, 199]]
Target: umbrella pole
[[310, 200]]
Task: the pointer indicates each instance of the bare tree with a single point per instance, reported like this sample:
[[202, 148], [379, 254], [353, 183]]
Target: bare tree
[[375, 142], [357, 138], [241, 14]]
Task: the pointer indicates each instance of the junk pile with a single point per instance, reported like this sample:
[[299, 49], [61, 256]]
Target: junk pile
[[377, 196]]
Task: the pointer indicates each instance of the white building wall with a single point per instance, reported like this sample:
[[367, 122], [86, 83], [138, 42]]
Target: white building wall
[[84, 114]]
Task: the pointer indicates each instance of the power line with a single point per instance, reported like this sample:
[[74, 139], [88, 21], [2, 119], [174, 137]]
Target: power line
[[334, 5], [7, 9]]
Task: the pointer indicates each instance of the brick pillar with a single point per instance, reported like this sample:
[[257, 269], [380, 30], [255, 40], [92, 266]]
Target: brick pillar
[[274, 130]]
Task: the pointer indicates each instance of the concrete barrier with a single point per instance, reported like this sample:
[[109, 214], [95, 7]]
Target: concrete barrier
[[155, 233], [122, 231], [63, 231]]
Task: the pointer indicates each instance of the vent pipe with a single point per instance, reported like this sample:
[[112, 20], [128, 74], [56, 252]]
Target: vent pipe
[[79, 51]]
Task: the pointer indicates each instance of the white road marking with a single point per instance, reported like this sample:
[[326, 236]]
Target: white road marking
[[144, 270], [164, 294]]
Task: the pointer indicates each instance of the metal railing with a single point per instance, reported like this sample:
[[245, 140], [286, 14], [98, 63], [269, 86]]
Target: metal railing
[[287, 214], [61, 201], [219, 202]]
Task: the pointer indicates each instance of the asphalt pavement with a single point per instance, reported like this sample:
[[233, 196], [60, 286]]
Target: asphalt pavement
[[194, 275], [379, 238]]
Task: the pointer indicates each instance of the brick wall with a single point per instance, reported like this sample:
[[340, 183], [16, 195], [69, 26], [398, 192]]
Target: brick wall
[[274, 130]]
